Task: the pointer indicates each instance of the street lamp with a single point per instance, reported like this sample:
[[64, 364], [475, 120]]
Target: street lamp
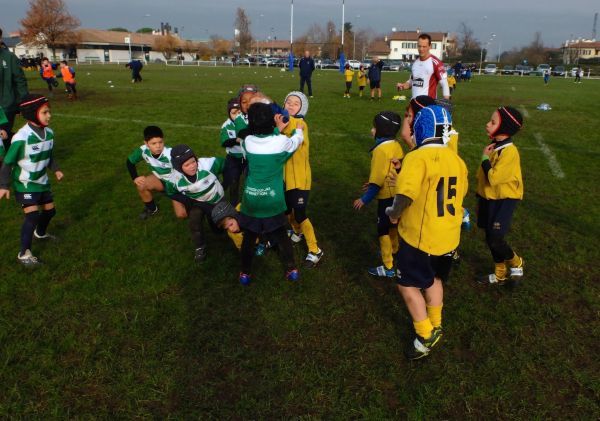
[[257, 28], [354, 40], [482, 46]]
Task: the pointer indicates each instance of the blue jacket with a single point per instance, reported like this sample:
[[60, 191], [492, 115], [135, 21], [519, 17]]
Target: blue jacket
[[306, 65], [374, 73]]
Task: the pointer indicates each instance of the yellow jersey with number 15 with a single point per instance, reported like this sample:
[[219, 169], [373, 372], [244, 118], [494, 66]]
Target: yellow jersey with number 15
[[435, 178]]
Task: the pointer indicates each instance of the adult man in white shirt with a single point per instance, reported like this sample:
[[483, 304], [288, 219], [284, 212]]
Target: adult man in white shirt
[[426, 72]]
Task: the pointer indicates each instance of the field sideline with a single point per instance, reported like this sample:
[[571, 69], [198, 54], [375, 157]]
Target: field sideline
[[119, 322]]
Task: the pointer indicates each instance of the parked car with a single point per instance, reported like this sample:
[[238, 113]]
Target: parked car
[[558, 71], [521, 69], [490, 69], [507, 70], [354, 64], [392, 65], [328, 64], [541, 69]]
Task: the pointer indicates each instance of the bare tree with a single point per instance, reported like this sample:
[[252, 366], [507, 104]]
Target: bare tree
[[242, 24], [49, 23], [219, 46], [468, 47], [330, 47]]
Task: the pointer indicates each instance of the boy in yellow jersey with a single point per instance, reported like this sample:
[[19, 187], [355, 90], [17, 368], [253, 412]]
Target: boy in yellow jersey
[[361, 77], [499, 189], [386, 125], [298, 180], [429, 194], [348, 76]]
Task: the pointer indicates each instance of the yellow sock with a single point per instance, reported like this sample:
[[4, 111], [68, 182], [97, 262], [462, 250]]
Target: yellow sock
[[395, 237], [237, 238], [424, 328], [435, 315], [307, 229], [515, 262], [385, 245], [500, 270]]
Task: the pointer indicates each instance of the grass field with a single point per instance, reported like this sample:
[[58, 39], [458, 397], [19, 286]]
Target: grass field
[[119, 322]]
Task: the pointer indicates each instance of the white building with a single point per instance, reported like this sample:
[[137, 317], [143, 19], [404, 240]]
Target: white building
[[403, 44]]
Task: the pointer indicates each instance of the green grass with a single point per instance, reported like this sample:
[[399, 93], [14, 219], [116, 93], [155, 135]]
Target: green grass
[[119, 322]]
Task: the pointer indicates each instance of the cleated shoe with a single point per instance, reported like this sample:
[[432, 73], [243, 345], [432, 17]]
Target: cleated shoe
[[382, 271], [245, 278], [45, 236], [292, 275], [422, 347], [296, 238], [466, 221], [27, 259], [147, 213], [260, 249], [516, 273], [312, 259], [200, 255], [491, 279]]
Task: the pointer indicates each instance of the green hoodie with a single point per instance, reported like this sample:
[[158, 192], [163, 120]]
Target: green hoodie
[[13, 84]]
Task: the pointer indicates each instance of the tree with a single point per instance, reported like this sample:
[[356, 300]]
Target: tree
[[145, 30], [118, 29], [467, 46], [167, 45], [49, 23], [242, 24], [219, 46]]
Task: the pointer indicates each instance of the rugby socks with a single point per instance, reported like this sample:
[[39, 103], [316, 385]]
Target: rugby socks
[[435, 315], [385, 245], [44, 220], [424, 328], [151, 206], [515, 261], [29, 224], [195, 218], [500, 271], [395, 237], [307, 229]]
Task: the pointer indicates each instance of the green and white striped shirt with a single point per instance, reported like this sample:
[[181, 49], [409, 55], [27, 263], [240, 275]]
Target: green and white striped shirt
[[207, 187], [160, 166], [30, 156], [228, 132]]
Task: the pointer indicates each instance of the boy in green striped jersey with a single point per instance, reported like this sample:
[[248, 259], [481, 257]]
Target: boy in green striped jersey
[[235, 165], [27, 162], [199, 190], [158, 157]]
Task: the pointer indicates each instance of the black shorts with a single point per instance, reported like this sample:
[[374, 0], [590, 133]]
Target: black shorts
[[495, 216], [375, 84], [383, 221], [417, 268], [34, 199], [296, 199], [262, 225]]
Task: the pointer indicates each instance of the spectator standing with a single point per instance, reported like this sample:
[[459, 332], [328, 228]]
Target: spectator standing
[[307, 66], [374, 76]]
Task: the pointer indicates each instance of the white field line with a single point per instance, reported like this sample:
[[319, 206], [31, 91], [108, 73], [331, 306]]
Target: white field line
[[555, 168]]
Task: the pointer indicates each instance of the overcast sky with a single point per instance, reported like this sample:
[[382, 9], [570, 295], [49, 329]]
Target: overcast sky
[[513, 21]]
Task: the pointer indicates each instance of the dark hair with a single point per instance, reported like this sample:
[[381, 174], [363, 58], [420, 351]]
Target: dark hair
[[425, 36], [152, 132], [0, 32], [261, 119], [65, 62]]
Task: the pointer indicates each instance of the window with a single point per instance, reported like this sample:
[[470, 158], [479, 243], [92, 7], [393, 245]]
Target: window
[[433, 46]]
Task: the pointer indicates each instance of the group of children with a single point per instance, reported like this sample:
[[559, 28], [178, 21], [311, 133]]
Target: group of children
[[419, 194], [361, 77], [67, 73]]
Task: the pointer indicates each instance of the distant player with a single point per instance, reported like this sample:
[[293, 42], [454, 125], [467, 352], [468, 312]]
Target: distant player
[[429, 194], [426, 72], [47, 73], [68, 76]]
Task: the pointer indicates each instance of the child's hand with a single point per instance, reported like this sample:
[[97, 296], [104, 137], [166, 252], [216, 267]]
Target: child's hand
[[4, 193], [396, 163], [238, 141], [394, 220], [300, 124], [358, 204], [279, 122], [3, 134], [59, 175], [140, 181], [391, 178], [488, 149], [365, 186]]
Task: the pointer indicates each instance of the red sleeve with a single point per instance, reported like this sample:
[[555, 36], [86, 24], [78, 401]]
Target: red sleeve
[[438, 68]]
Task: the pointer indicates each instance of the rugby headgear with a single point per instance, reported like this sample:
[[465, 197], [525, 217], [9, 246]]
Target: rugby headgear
[[432, 123], [511, 121], [420, 102], [233, 104], [30, 108], [303, 103], [387, 124], [247, 88], [223, 210], [180, 154]]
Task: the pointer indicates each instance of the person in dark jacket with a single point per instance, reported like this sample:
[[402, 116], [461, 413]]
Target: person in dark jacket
[[136, 68], [13, 88], [306, 65], [374, 76]]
